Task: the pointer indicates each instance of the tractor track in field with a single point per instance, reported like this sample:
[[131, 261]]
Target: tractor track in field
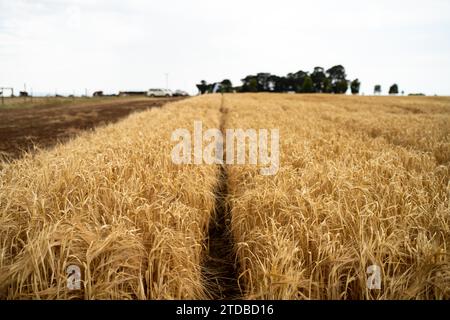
[[220, 269]]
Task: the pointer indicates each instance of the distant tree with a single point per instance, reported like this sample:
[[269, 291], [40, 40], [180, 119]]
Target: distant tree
[[332, 81], [318, 78], [263, 81], [278, 84], [341, 87], [250, 84], [377, 89], [211, 87], [291, 84], [283, 84], [327, 86], [354, 86], [295, 80], [393, 89], [202, 87], [337, 77], [226, 86], [253, 85], [299, 79], [307, 85], [275, 83]]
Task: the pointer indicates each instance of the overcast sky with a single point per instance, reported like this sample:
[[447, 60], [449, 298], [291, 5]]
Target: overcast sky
[[130, 45]]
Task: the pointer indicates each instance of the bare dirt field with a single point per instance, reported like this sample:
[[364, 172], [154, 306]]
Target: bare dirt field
[[45, 121]]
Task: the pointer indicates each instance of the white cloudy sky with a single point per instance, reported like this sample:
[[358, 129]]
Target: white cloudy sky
[[69, 45]]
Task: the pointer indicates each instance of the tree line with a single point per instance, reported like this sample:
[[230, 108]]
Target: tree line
[[392, 89], [332, 80]]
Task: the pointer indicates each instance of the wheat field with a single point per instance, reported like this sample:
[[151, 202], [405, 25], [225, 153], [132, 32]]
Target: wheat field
[[113, 203], [362, 181]]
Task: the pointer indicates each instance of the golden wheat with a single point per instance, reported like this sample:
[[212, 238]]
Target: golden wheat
[[362, 181], [113, 203]]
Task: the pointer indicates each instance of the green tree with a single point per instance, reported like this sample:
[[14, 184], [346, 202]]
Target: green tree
[[318, 78], [337, 77], [377, 89], [354, 86], [278, 84], [263, 81], [295, 80], [298, 79], [249, 84], [253, 85], [307, 85], [393, 89], [332, 81], [341, 87], [226, 86], [327, 86], [202, 87], [275, 84], [291, 83]]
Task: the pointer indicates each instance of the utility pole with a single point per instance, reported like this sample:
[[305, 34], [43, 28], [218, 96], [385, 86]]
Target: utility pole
[[167, 81]]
